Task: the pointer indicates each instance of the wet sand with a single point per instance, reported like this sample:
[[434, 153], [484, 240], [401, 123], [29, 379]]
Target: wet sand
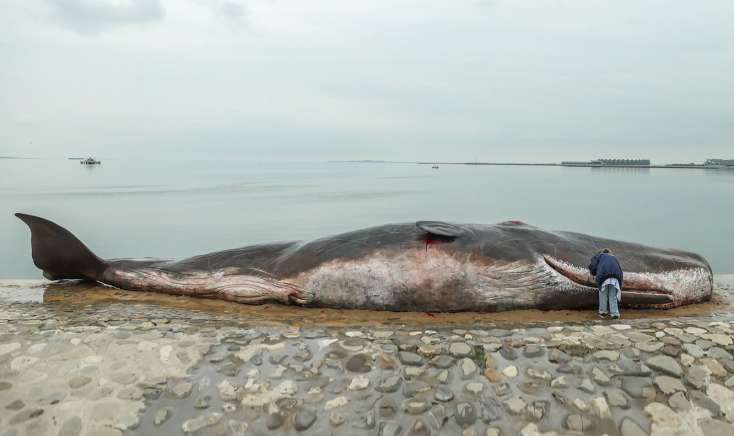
[[80, 293]]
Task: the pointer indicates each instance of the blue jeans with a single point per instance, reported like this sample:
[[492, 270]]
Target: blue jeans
[[608, 300]]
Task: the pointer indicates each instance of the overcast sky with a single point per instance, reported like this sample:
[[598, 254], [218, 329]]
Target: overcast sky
[[499, 80]]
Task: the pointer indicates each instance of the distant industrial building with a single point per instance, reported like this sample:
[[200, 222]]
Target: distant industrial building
[[719, 163], [625, 162], [610, 162]]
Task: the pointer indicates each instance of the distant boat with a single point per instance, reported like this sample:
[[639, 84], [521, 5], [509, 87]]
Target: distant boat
[[435, 167], [90, 161]]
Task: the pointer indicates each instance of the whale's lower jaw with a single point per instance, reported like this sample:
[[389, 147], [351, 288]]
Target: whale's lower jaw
[[663, 290]]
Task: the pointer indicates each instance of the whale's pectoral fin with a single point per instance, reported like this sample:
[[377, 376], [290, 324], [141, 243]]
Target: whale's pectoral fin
[[441, 229], [59, 253]]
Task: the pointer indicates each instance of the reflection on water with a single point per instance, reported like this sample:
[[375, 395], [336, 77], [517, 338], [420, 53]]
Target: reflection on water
[[621, 170], [72, 296]]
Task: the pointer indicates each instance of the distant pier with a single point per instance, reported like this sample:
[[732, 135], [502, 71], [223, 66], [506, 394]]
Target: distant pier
[[603, 163]]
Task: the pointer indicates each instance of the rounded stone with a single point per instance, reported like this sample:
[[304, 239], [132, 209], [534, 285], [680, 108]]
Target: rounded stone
[[600, 376], [532, 351], [515, 405], [336, 419], [474, 387], [578, 423], [386, 407], [359, 363], [418, 428], [415, 406], [202, 402], [665, 364], [274, 420], [637, 387], [336, 403], [671, 350], [390, 383], [411, 389], [492, 375], [78, 381], [390, 428], [468, 367], [409, 358], [669, 385], [693, 350], [442, 361], [304, 419], [678, 401], [587, 386], [200, 422], [557, 356], [616, 398], [359, 383], [465, 414], [181, 390], [15, 405], [631, 428], [713, 365], [609, 355], [538, 374], [443, 394], [161, 416], [698, 376], [600, 408], [508, 352], [459, 349]]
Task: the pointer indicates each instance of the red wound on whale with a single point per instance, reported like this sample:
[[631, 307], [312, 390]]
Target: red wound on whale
[[430, 240]]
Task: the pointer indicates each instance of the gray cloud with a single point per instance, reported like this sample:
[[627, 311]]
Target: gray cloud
[[94, 16], [538, 80], [232, 10]]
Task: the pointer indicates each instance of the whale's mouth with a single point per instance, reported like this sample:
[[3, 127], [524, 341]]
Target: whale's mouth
[[643, 290]]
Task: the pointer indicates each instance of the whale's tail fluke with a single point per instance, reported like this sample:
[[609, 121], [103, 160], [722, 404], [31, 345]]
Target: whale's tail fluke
[[59, 253]]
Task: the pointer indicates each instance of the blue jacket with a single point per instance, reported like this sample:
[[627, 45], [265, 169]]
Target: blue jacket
[[604, 266]]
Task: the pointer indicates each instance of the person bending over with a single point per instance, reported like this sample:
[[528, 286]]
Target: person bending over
[[605, 268]]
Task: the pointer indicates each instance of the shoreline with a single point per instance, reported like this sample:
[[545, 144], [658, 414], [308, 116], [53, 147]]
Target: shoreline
[[99, 298]]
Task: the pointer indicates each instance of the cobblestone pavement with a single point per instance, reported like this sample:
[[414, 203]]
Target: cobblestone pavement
[[86, 367]]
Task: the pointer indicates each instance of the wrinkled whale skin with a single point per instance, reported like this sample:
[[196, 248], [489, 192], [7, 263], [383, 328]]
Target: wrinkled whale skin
[[424, 266]]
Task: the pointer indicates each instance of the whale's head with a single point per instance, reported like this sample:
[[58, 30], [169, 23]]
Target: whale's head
[[550, 267]]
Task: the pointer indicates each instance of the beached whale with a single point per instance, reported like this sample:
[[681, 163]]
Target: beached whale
[[424, 266]]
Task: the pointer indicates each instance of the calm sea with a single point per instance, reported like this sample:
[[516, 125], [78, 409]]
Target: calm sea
[[174, 209]]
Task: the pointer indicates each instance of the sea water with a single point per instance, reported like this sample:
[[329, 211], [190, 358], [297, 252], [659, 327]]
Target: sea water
[[177, 208]]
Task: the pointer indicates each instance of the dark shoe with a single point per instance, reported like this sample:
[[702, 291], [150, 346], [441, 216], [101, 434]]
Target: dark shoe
[[603, 315], [615, 316]]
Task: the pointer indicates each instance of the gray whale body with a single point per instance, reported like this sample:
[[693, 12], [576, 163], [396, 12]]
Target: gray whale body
[[424, 266]]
